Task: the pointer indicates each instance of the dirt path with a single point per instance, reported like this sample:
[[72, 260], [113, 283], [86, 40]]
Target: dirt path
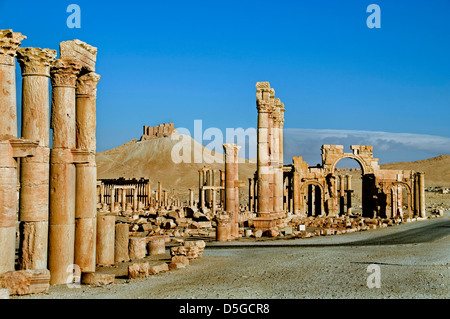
[[324, 267]]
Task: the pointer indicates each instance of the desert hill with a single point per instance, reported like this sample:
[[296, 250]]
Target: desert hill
[[436, 169], [153, 159]]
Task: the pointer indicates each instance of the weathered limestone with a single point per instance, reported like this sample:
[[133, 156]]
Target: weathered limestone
[[264, 107], [62, 170], [86, 174], [121, 243], [138, 270], [154, 270], [156, 246], [137, 247], [232, 186], [24, 282], [97, 279], [223, 229], [10, 148], [9, 42], [421, 190], [105, 239], [34, 171]]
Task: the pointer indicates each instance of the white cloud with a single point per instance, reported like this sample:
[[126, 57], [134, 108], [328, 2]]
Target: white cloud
[[388, 147]]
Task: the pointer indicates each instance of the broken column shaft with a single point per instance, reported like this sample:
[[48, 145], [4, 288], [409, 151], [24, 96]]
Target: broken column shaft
[[231, 185]]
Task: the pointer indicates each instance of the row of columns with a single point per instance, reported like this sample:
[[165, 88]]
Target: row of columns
[[269, 150], [57, 199], [207, 180]]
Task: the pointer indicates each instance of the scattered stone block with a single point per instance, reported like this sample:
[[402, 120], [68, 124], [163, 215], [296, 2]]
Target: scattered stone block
[[258, 233], [153, 270], [97, 279], [137, 247], [138, 270], [24, 282], [156, 246], [181, 259], [175, 266]]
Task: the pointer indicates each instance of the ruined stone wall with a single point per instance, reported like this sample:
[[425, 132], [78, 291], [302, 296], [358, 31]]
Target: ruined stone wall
[[162, 130]]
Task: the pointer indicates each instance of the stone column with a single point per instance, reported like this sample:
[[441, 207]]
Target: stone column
[[251, 195], [191, 197], [278, 121], [222, 191], [113, 198], [231, 185], [159, 194], [62, 170], [263, 105], [34, 171], [86, 173], [422, 204], [105, 239], [9, 42]]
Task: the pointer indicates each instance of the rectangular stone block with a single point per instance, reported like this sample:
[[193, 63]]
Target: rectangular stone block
[[24, 282], [97, 279], [138, 270], [175, 266], [83, 52], [180, 260], [153, 270], [4, 293]]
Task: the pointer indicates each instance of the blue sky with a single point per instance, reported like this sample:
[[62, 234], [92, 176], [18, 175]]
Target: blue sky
[[180, 61]]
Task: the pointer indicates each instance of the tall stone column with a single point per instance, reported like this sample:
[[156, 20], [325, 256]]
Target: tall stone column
[[191, 197], [421, 184], [263, 105], [62, 170], [231, 185], [35, 171], [278, 120], [251, 195], [86, 173], [9, 42]]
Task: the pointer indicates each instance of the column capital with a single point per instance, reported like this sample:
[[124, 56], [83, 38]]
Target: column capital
[[87, 84], [9, 42], [64, 72], [231, 149], [35, 61], [265, 96]]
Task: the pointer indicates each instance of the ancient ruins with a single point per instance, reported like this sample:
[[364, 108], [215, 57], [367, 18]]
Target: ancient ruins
[[68, 221]]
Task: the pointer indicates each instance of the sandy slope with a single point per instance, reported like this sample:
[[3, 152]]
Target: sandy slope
[[156, 159], [437, 169]]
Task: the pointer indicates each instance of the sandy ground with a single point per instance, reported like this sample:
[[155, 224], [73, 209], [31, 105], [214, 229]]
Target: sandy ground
[[418, 266]]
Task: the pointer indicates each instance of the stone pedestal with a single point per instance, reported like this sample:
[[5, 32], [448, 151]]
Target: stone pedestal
[[156, 246], [121, 243]]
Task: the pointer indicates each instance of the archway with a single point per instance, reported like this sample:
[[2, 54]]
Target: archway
[[349, 173], [312, 198]]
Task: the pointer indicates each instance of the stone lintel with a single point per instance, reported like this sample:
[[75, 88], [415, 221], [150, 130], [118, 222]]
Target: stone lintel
[[24, 148], [81, 51]]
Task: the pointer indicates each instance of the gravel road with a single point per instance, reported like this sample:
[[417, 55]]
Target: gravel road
[[413, 260]]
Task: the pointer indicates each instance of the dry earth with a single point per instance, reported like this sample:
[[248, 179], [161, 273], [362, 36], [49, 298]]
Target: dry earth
[[413, 259]]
